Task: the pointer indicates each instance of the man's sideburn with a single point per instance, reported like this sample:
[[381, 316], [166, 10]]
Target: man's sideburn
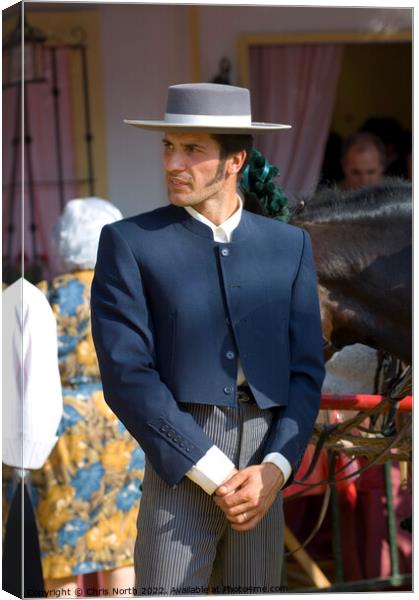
[[219, 175]]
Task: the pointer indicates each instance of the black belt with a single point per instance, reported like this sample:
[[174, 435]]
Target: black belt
[[244, 394]]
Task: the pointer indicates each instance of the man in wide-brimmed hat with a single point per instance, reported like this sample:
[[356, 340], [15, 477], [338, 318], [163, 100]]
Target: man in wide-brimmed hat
[[206, 324]]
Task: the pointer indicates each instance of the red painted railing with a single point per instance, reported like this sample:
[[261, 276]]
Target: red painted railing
[[360, 402]]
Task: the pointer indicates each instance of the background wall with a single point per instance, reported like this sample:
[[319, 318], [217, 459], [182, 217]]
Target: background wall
[[144, 50]]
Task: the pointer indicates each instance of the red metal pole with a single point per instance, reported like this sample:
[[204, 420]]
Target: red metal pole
[[360, 402]]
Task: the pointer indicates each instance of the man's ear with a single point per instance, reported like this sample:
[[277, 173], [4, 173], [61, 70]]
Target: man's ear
[[236, 162]]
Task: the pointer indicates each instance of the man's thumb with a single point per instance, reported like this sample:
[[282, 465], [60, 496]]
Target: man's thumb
[[231, 484]]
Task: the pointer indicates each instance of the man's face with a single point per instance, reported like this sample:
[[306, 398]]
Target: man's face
[[362, 167], [193, 169]]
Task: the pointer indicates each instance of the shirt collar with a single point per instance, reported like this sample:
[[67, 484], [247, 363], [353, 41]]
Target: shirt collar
[[225, 229]]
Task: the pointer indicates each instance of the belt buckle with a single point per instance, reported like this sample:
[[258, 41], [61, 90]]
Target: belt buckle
[[242, 395]]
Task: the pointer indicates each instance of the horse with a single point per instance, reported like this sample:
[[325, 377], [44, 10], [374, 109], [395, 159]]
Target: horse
[[362, 246]]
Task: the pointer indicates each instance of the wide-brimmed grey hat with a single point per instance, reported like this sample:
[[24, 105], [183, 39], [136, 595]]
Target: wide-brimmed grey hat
[[208, 107]]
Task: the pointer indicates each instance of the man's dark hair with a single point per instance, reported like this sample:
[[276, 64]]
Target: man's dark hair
[[364, 140], [230, 143], [387, 129]]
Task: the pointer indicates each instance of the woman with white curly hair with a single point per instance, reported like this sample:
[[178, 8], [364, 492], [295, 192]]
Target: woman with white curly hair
[[87, 494]]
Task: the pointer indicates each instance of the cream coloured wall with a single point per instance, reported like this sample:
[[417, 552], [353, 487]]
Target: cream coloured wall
[[144, 50]]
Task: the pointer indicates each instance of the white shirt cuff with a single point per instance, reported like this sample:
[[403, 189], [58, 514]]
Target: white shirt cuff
[[281, 462], [211, 470], [27, 453]]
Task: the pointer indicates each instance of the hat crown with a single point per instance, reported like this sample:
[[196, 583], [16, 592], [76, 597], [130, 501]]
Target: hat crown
[[208, 99], [209, 108]]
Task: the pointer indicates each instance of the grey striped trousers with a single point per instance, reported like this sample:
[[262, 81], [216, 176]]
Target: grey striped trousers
[[185, 545]]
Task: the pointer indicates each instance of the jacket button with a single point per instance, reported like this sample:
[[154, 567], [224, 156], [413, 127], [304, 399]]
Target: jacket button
[[170, 433], [164, 428], [228, 389], [225, 251], [230, 354]]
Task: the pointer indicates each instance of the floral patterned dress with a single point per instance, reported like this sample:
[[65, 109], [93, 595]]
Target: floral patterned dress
[[86, 497]]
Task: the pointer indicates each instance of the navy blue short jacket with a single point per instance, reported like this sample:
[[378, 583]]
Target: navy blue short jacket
[[172, 310]]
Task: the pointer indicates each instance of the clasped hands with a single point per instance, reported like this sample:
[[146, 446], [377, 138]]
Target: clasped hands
[[246, 495]]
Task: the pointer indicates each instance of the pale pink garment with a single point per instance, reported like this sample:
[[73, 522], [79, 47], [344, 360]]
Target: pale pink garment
[[40, 127], [295, 84]]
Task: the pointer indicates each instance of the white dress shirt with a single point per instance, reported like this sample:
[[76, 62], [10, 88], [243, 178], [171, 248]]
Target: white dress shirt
[[214, 467], [32, 398]]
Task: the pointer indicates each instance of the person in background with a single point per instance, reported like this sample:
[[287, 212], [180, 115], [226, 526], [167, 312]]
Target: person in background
[[396, 143], [363, 161], [87, 495], [32, 409]]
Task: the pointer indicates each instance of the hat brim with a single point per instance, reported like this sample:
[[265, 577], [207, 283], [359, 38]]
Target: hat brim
[[167, 126]]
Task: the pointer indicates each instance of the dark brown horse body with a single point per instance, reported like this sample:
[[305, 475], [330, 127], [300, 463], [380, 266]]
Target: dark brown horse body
[[362, 244]]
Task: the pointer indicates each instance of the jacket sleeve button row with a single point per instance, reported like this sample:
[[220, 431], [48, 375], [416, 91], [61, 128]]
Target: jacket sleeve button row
[[171, 434]]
